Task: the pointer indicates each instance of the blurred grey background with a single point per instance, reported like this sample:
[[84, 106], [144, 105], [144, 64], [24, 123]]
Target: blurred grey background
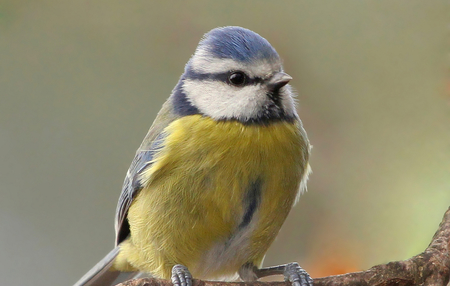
[[81, 82]]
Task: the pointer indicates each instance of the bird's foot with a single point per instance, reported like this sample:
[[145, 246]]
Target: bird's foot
[[181, 276], [297, 275]]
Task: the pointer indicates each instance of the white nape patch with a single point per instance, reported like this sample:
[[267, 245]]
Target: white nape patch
[[220, 100], [204, 62]]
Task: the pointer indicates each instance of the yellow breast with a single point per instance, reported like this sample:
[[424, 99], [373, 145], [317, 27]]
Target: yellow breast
[[215, 196]]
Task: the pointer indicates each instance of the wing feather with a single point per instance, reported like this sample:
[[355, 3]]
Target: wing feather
[[142, 161]]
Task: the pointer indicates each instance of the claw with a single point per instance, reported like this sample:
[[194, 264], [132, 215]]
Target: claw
[[181, 276], [297, 275]]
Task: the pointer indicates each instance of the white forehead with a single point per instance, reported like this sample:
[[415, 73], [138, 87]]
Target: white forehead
[[204, 62]]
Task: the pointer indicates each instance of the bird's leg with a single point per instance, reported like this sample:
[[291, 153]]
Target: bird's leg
[[292, 272], [181, 276]]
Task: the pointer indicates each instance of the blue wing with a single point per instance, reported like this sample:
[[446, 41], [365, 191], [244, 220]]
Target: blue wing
[[152, 142], [132, 185]]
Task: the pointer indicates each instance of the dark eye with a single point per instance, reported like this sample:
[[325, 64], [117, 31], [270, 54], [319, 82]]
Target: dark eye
[[237, 78]]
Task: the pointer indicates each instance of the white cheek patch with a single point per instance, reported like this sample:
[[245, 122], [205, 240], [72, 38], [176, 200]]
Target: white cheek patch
[[219, 100], [204, 62]]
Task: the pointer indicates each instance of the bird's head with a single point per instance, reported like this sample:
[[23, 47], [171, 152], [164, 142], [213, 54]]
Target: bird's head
[[235, 74]]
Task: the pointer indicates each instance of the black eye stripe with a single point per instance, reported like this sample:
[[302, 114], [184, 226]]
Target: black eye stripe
[[223, 77]]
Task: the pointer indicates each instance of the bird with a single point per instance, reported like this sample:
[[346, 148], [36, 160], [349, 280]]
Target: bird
[[219, 170]]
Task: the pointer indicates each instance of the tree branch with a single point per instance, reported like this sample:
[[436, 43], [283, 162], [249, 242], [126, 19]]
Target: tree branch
[[431, 267]]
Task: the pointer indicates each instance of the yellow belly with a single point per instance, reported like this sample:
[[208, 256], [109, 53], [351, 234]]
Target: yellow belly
[[192, 207]]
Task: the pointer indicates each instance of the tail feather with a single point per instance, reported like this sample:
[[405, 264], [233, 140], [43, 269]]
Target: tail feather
[[102, 275]]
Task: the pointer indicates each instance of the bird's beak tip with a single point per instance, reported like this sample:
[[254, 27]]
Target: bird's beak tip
[[280, 79], [285, 77]]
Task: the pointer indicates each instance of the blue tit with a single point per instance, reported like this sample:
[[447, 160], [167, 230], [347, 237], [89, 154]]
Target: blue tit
[[218, 172]]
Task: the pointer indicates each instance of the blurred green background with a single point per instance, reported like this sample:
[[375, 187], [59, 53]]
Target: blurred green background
[[81, 82]]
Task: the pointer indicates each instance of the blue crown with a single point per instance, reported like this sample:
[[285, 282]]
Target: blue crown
[[238, 44]]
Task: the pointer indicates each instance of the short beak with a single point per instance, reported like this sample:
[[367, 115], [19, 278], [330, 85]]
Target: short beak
[[278, 80]]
